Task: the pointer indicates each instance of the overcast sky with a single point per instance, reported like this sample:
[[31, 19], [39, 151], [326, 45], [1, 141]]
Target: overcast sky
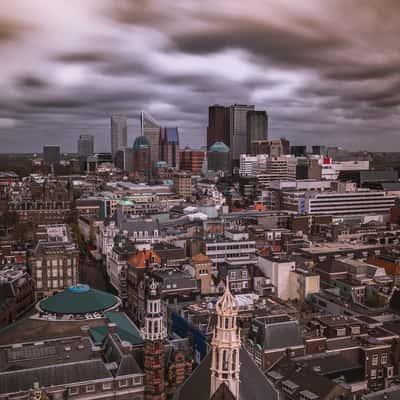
[[326, 71]]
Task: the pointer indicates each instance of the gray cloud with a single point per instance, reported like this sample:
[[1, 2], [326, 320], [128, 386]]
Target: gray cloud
[[325, 71]]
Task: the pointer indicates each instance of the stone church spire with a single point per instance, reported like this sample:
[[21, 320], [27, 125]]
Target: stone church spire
[[225, 344]]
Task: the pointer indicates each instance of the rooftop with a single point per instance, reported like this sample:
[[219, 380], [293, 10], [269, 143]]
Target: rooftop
[[79, 299]]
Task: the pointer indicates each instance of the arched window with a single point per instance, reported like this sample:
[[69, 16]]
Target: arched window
[[217, 359], [234, 356], [226, 323], [225, 360]]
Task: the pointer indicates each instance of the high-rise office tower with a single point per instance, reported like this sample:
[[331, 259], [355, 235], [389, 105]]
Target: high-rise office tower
[[169, 146], [218, 125], [51, 155], [85, 146], [119, 134], [151, 130], [142, 158], [238, 130], [298, 151], [257, 132]]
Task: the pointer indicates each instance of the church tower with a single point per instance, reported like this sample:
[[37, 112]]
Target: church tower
[[226, 345], [154, 334]]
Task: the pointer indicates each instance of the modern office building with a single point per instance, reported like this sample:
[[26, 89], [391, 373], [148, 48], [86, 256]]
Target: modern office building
[[192, 160], [319, 150], [218, 125], [219, 158], [183, 184], [142, 158], [85, 146], [119, 134], [51, 155], [252, 165], [151, 130], [238, 130], [257, 132], [298, 151], [358, 202], [169, 147], [96, 160]]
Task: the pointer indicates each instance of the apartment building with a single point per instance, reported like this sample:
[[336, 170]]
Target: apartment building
[[55, 260]]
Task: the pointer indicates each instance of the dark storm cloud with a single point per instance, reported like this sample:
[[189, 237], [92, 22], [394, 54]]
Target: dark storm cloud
[[326, 71], [83, 57], [30, 82]]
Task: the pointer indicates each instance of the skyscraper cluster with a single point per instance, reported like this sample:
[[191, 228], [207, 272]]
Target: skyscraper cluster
[[242, 128]]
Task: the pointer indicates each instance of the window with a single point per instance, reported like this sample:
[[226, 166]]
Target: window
[[225, 360], [137, 380], [384, 359], [39, 263], [107, 386], [55, 284], [341, 331], [375, 359], [355, 330], [123, 383], [234, 359], [54, 263], [73, 391], [90, 388], [39, 274], [39, 284], [373, 374], [55, 272]]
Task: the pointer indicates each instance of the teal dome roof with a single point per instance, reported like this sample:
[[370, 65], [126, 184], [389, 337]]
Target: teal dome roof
[[79, 299], [219, 147], [141, 142]]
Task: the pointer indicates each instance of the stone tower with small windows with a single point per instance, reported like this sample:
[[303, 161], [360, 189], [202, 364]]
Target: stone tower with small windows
[[225, 344], [154, 334]]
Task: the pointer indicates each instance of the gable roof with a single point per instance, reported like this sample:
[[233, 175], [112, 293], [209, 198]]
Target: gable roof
[[254, 385]]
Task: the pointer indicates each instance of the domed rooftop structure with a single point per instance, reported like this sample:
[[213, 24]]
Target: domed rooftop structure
[[219, 147], [79, 299], [141, 142]]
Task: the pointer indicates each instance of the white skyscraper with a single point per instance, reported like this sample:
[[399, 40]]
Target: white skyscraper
[[119, 134]]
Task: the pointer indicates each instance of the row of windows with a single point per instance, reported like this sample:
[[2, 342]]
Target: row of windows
[[53, 284], [375, 359], [56, 262], [105, 386], [231, 247]]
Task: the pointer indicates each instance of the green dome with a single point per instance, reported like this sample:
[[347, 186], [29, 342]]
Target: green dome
[[79, 299], [141, 142], [219, 147]]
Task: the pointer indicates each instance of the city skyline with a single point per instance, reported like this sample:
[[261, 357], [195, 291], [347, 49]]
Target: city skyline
[[326, 72]]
